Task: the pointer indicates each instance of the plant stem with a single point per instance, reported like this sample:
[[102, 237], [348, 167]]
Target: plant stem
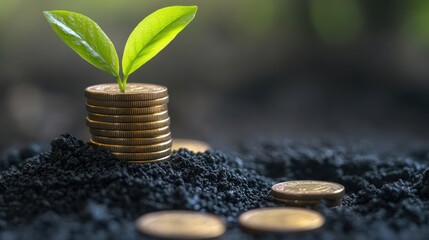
[[121, 84], [124, 82]]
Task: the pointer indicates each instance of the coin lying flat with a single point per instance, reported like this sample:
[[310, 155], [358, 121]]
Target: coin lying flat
[[128, 104], [134, 149], [132, 141], [128, 126], [304, 203], [307, 190], [192, 145], [142, 156], [181, 225], [125, 111], [133, 92], [130, 134], [284, 219]]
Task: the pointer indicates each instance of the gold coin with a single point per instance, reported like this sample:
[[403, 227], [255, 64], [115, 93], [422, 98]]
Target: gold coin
[[134, 149], [303, 203], [179, 224], [132, 141], [307, 190], [127, 104], [126, 111], [192, 145], [128, 126], [130, 134], [142, 156], [133, 92], [285, 219], [128, 118]]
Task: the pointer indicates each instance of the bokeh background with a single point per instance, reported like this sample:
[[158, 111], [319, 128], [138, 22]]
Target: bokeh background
[[242, 69]]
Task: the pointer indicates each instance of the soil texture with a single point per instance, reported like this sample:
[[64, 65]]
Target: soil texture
[[76, 191]]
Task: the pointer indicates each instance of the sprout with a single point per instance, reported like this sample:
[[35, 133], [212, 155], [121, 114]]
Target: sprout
[[150, 36]]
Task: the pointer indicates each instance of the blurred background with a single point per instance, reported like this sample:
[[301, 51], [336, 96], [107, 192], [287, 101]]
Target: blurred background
[[242, 69]]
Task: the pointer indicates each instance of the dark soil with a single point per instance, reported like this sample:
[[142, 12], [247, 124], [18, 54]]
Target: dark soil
[[76, 191]]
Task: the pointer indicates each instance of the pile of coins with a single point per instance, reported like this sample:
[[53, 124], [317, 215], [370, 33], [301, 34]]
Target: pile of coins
[[134, 125], [308, 193], [196, 225], [298, 193]]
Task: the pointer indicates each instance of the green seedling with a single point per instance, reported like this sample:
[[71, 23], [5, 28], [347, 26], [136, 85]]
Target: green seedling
[[150, 36]]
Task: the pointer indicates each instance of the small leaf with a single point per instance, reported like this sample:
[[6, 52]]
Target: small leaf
[[153, 34], [86, 38]]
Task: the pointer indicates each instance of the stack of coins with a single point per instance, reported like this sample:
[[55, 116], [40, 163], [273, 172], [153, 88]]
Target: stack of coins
[[308, 193], [134, 125]]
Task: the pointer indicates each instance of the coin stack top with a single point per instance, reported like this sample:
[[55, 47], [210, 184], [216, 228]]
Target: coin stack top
[[133, 92], [133, 125]]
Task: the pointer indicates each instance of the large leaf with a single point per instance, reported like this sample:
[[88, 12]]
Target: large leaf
[[153, 34], [86, 38]]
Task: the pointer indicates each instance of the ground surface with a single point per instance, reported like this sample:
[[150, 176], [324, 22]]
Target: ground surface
[[77, 192]]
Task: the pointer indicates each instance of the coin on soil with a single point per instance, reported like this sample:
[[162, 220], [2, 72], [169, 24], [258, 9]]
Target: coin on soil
[[132, 141], [178, 224], [128, 126], [127, 104], [130, 134], [307, 190], [133, 92], [286, 219], [125, 111], [128, 118], [192, 145], [134, 149]]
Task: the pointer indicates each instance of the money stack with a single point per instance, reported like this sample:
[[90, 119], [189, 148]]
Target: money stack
[[134, 125]]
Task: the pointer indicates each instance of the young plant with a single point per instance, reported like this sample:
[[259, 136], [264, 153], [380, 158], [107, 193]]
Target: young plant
[[150, 36]]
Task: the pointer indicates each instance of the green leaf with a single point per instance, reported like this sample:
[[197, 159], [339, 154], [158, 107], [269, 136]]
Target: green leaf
[[153, 34], [86, 38]]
